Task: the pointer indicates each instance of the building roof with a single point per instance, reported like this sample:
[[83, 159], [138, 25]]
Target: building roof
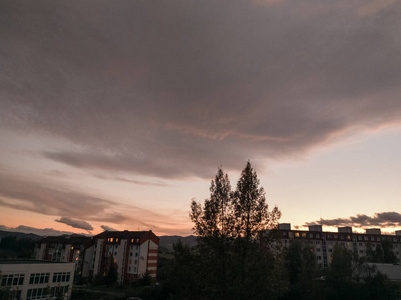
[[392, 271], [28, 261], [70, 239], [122, 234]]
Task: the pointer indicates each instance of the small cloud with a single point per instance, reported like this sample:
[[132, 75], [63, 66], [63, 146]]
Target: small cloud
[[75, 223], [107, 228]]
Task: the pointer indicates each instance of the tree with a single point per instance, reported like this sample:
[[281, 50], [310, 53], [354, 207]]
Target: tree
[[213, 224], [214, 219], [250, 207], [252, 219], [301, 267], [229, 227]]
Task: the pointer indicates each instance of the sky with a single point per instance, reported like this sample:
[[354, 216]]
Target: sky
[[115, 114]]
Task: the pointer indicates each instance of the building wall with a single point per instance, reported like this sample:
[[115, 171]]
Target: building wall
[[33, 279], [323, 243], [133, 252]]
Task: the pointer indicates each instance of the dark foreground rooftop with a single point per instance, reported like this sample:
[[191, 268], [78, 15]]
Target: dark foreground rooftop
[[27, 261]]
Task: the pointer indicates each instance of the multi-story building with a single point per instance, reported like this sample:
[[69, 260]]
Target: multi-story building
[[133, 253], [33, 279], [63, 248], [322, 243]]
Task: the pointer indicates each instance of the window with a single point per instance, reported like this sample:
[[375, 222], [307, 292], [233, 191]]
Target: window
[[136, 254], [311, 235], [366, 238], [330, 250], [130, 254], [38, 278], [11, 280], [318, 236], [317, 242], [115, 253], [61, 276], [303, 234], [41, 293], [360, 244], [361, 251], [296, 234], [359, 237], [319, 257], [318, 249]]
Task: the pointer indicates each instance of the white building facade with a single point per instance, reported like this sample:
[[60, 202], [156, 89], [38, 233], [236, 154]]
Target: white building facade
[[322, 243], [32, 279]]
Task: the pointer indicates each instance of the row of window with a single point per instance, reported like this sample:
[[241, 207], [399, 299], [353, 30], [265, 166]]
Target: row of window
[[12, 280], [115, 240], [37, 278], [43, 292], [61, 276], [341, 236]]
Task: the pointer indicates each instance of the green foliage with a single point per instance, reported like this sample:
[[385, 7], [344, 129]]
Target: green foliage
[[382, 253], [302, 270], [11, 247], [349, 278]]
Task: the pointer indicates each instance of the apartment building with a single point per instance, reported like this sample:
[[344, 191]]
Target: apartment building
[[34, 279], [133, 253], [322, 243], [63, 248]]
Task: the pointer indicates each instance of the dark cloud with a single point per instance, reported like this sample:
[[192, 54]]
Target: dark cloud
[[174, 89], [383, 219], [75, 223]]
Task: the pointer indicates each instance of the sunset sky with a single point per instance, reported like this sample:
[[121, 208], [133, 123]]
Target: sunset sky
[[115, 114]]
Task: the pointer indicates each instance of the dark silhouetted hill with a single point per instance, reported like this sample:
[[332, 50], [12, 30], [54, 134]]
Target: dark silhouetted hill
[[167, 241]]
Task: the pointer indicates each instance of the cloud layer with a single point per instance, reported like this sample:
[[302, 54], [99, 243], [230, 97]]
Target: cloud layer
[[383, 219], [174, 89]]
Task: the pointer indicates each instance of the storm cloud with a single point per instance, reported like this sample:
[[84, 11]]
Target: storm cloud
[[173, 89], [383, 219]]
